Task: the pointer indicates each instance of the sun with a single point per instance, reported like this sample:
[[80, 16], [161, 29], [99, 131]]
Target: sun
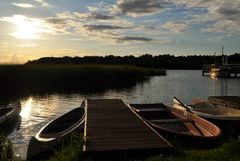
[[26, 28]]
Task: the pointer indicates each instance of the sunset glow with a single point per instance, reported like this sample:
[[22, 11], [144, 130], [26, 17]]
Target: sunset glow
[[25, 29], [43, 28]]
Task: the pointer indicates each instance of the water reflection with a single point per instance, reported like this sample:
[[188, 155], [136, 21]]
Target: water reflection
[[186, 85], [224, 87], [26, 108]]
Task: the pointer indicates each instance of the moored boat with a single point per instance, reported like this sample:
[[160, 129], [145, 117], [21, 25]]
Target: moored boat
[[182, 125], [220, 72], [227, 101], [208, 110], [56, 132], [9, 114], [226, 118]]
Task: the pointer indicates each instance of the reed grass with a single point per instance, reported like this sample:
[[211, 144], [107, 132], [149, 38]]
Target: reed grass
[[90, 78]]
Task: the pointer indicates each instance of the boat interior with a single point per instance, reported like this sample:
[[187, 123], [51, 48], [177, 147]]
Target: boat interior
[[215, 109], [65, 121], [161, 117], [4, 111]]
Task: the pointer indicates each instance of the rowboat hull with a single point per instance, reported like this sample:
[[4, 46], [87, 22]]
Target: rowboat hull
[[226, 101], [177, 125], [226, 118], [9, 115], [55, 133]]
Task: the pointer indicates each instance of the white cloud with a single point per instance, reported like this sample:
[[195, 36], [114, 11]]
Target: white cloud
[[23, 5], [176, 26], [44, 3], [95, 26]]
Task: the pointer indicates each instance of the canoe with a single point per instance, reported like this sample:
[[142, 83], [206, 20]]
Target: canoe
[[9, 114], [182, 125], [56, 132], [228, 119]]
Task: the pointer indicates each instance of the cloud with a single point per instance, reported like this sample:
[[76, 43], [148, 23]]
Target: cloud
[[224, 26], [104, 27], [57, 21], [23, 5], [176, 26], [133, 38], [91, 25], [113, 29], [136, 8], [218, 16], [43, 3], [100, 16], [86, 16]]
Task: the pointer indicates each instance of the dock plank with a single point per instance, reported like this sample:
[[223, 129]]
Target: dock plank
[[111, 125]]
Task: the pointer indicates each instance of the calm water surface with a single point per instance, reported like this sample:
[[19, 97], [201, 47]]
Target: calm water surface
[[186, 85]]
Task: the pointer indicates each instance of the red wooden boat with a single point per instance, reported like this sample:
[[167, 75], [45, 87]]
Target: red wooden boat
[[183, 125]]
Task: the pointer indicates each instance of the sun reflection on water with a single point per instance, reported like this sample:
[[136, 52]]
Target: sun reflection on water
[[26, 108]]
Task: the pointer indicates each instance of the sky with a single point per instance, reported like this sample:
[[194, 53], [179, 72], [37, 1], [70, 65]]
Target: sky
[[30, 29]]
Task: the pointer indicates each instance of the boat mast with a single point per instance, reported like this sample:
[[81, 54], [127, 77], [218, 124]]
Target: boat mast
[[223, 60], [226, 59]]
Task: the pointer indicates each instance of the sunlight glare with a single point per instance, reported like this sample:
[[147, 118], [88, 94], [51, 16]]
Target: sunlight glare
[[26, 108], [26, 28]]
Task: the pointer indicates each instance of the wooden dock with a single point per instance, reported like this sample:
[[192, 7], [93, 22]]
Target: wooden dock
[[227, 101], [112, 126]]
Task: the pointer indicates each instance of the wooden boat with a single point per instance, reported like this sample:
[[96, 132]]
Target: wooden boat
[[9, 114], [227, 101], [208, 110], [228, 119], [183, 125], [56, 132]]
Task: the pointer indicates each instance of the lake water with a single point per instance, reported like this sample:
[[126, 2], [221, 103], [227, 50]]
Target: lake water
[[186, 85]]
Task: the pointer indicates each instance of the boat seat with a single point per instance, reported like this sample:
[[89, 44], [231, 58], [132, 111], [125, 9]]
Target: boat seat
[[170, 120], [151, 109]]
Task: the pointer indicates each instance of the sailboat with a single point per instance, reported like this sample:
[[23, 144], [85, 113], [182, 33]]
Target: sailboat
[[220, 71]]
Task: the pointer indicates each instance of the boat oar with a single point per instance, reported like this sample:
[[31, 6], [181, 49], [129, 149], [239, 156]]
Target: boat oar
[[175, 100]]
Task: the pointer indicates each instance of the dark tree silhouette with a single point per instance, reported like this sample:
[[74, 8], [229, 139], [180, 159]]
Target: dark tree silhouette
[[160, 61]]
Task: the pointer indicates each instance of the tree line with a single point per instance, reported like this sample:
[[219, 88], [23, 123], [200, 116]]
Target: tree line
[[147, 60]]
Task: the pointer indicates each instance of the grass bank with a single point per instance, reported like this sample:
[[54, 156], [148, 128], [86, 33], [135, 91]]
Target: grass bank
[[90, 78], [229, 151], [72, 150], [6, 151]]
